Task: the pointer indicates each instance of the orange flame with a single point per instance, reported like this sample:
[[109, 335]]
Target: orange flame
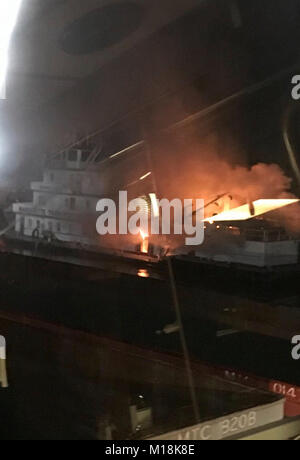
[[145, 242], [144, 235]]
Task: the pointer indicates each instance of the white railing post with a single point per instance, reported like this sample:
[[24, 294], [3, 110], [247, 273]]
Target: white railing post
[[3, 373]]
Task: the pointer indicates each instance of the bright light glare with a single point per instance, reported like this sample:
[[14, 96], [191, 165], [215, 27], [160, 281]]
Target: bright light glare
[[243, 212], [9, 10]]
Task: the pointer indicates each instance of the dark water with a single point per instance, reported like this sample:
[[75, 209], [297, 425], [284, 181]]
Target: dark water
[[74, 385]]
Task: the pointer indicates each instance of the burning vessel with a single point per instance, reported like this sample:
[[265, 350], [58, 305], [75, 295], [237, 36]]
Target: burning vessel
[[63, 215]]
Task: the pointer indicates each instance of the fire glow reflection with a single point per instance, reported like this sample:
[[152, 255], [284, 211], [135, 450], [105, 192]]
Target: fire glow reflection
[[142, 273]]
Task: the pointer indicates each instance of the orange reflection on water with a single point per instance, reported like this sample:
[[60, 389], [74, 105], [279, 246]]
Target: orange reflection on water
[[142, 273]]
